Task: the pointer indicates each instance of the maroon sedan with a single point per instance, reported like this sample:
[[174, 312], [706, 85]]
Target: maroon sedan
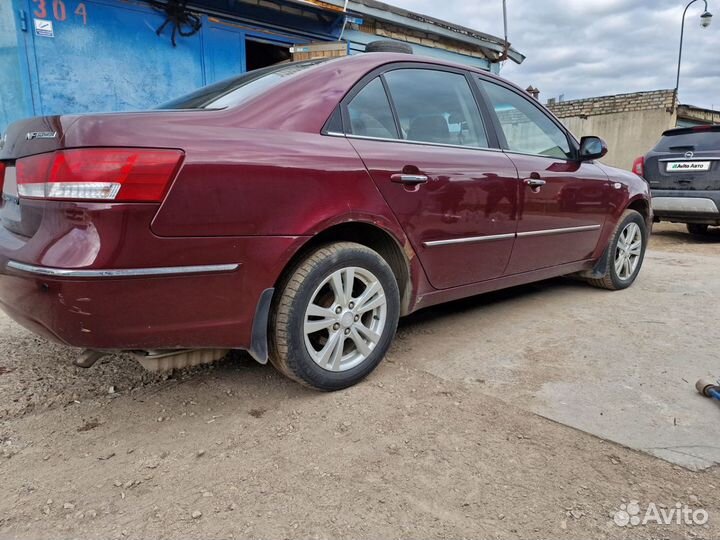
[[298, 211]]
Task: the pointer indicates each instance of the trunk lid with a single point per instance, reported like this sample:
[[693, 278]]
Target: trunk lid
[[34, 136], [39, 135]]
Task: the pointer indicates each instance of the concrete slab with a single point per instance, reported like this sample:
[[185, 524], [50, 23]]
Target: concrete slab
[[619, 365]]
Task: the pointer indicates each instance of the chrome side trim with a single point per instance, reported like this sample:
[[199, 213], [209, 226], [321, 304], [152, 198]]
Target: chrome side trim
[[559, 231], [120, 272], [469, 240]]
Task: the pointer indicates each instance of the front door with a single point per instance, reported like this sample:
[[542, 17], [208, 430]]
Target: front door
[[563, 202], [455, 198]]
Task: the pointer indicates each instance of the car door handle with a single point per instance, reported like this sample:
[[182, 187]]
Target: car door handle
[[412, 179], [534, 182]]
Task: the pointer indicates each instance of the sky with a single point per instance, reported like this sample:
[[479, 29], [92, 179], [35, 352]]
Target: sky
[[586, 48]]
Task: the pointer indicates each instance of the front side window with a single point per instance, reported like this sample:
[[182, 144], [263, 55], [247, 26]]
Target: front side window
[[436, 107], [527, 129], [370, 113]]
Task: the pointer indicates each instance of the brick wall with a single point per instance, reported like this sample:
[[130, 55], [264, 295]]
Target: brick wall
[[639, 101], [631, 124], [391, 31]]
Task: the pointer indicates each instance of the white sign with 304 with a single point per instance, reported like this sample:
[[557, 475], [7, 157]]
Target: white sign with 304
[[688, 166]]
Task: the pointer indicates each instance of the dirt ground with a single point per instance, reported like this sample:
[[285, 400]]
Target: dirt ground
[[236, 451]]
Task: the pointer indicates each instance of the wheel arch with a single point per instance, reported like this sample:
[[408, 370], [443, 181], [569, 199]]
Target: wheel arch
[[643, 207], [640, 205], [385, 243]]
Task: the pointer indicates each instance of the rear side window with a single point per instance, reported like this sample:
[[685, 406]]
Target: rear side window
[[370, 113], [436, 107], [234, 91], [700, 141], [526, 128]]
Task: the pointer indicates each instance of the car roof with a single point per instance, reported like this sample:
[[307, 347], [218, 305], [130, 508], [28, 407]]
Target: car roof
[[305, 101]]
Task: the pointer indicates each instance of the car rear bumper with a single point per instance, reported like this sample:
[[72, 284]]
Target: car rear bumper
[[687, 206], [94, 276], [129, 308]]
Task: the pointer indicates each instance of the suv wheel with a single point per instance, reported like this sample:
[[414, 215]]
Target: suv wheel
[[625, 253], [335, 317], [697, 228]]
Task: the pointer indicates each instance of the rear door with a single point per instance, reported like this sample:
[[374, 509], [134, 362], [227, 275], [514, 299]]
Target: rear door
[[563, 202], [685, 159], [428, 150]]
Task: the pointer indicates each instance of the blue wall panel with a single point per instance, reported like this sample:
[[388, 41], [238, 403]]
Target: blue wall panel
[[108, 59], [224, 52], [14, 100], [104, 55]]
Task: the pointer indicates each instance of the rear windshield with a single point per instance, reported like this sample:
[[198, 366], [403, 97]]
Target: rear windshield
[[697, 142], [234, 91]]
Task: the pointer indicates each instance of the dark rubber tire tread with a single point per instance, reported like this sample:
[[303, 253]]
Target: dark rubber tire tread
[[610, 280], [388, 46], [287, 349]]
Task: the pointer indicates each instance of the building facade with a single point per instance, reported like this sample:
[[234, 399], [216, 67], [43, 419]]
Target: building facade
[[75, 56], [631, 124]]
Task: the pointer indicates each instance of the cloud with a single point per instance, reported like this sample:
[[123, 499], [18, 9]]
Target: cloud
[[582, 49]]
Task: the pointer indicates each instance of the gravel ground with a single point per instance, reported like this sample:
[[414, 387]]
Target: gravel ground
[[234, 450]]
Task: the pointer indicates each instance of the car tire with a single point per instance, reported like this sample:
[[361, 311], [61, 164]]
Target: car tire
[[622, 264], [335, 317], [389, 46], [697, 229]]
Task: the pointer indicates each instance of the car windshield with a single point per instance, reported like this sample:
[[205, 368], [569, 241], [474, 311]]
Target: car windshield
[[697, 141], [236, 90]]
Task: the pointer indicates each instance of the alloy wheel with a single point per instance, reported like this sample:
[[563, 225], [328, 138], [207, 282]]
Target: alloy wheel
[[628, 251], [345, 319]]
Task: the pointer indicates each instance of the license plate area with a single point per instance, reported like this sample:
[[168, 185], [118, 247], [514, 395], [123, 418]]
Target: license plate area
[[687, 166], [10, 199], [10, 184]]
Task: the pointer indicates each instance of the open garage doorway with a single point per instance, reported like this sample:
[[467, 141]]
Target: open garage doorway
[[260, 53]]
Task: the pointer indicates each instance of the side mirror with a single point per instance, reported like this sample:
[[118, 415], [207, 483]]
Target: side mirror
[[592, 148]]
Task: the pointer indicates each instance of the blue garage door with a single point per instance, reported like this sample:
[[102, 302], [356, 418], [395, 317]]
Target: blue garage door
[[104, 55]]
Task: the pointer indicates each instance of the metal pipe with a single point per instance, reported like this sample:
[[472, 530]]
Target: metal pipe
[[708, 388], [342, 32]]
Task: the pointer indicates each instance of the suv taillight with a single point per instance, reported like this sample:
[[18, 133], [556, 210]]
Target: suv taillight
[[107, 174], [639, 166]]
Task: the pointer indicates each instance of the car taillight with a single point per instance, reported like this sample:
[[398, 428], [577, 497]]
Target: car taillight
[[108, 174], [2, 175], [639, 166]]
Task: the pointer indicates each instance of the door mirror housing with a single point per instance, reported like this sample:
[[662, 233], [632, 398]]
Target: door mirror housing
[[592, 148]]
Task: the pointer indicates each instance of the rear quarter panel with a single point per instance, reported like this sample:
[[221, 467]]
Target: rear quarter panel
[[269, 183]]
